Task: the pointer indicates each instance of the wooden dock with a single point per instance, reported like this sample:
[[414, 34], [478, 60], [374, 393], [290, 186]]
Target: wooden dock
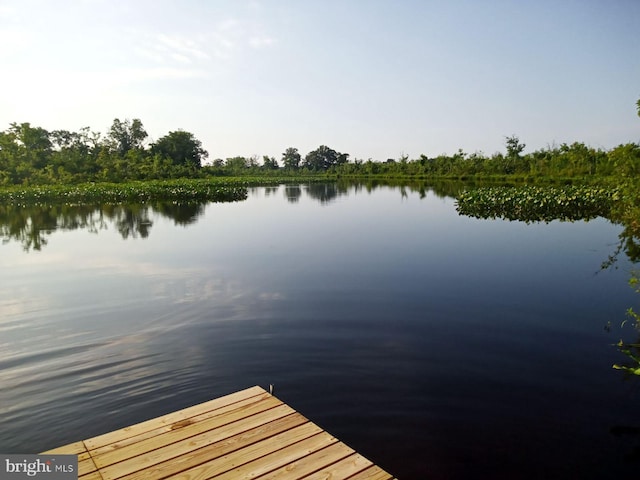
[[246, 435]]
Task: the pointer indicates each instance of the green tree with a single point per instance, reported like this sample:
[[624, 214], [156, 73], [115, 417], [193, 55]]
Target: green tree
[[32, 138], [35, 144], [182, 148], [514, 147], [324, 158], [626, 160], [269, 163], [124, 136], [75, 152], [236, 164], [514, 151], [252, 162], [8, 154], [291, 159]]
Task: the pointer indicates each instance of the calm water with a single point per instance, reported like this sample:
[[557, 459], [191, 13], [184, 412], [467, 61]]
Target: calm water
[[439, 346]]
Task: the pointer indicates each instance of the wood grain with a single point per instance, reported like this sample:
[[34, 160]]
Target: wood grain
[[245, 435]]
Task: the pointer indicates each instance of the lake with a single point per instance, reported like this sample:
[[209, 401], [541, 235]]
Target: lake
[[437, 345]]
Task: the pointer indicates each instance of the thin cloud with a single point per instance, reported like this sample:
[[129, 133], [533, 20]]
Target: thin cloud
[[178, 57], [163, 48], [224, 40], [150, 54], [261, 42], [171, 48], [141, 74], [185, 47]]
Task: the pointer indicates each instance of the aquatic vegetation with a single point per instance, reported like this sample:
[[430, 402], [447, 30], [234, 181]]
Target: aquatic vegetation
[[631, 350], [177, 190], [538, 203]]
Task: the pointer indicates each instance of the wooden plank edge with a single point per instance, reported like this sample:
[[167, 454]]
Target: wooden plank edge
[[310, 464], [272, 460], [173, 453], [75, 448], [374, 472], [226, 446], [185, 422], [173, 437], [238, 458], [171, 417]]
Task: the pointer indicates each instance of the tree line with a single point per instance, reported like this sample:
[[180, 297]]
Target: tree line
[[34, 155]]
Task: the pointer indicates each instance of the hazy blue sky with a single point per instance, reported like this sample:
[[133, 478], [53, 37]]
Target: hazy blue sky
[[371, 78]]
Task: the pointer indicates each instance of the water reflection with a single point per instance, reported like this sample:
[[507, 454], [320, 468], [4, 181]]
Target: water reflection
[[182, 214], [441, 189], [292, 193], [31, 225], [326, 192], [269, 190]]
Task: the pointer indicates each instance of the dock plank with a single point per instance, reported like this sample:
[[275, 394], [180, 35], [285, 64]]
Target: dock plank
[[343, 469], [208, 446], [86, 466], [373, 473], [75, 448], [176, 435], [245, 435], [115, 436], [213, 450], [311, 463], [279, 458], [184, 421], [221, 465], [90, 476]]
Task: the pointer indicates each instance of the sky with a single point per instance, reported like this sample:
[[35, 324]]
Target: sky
[[375, 79]]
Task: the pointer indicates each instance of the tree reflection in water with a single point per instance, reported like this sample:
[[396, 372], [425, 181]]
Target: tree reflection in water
[[31, 225]]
